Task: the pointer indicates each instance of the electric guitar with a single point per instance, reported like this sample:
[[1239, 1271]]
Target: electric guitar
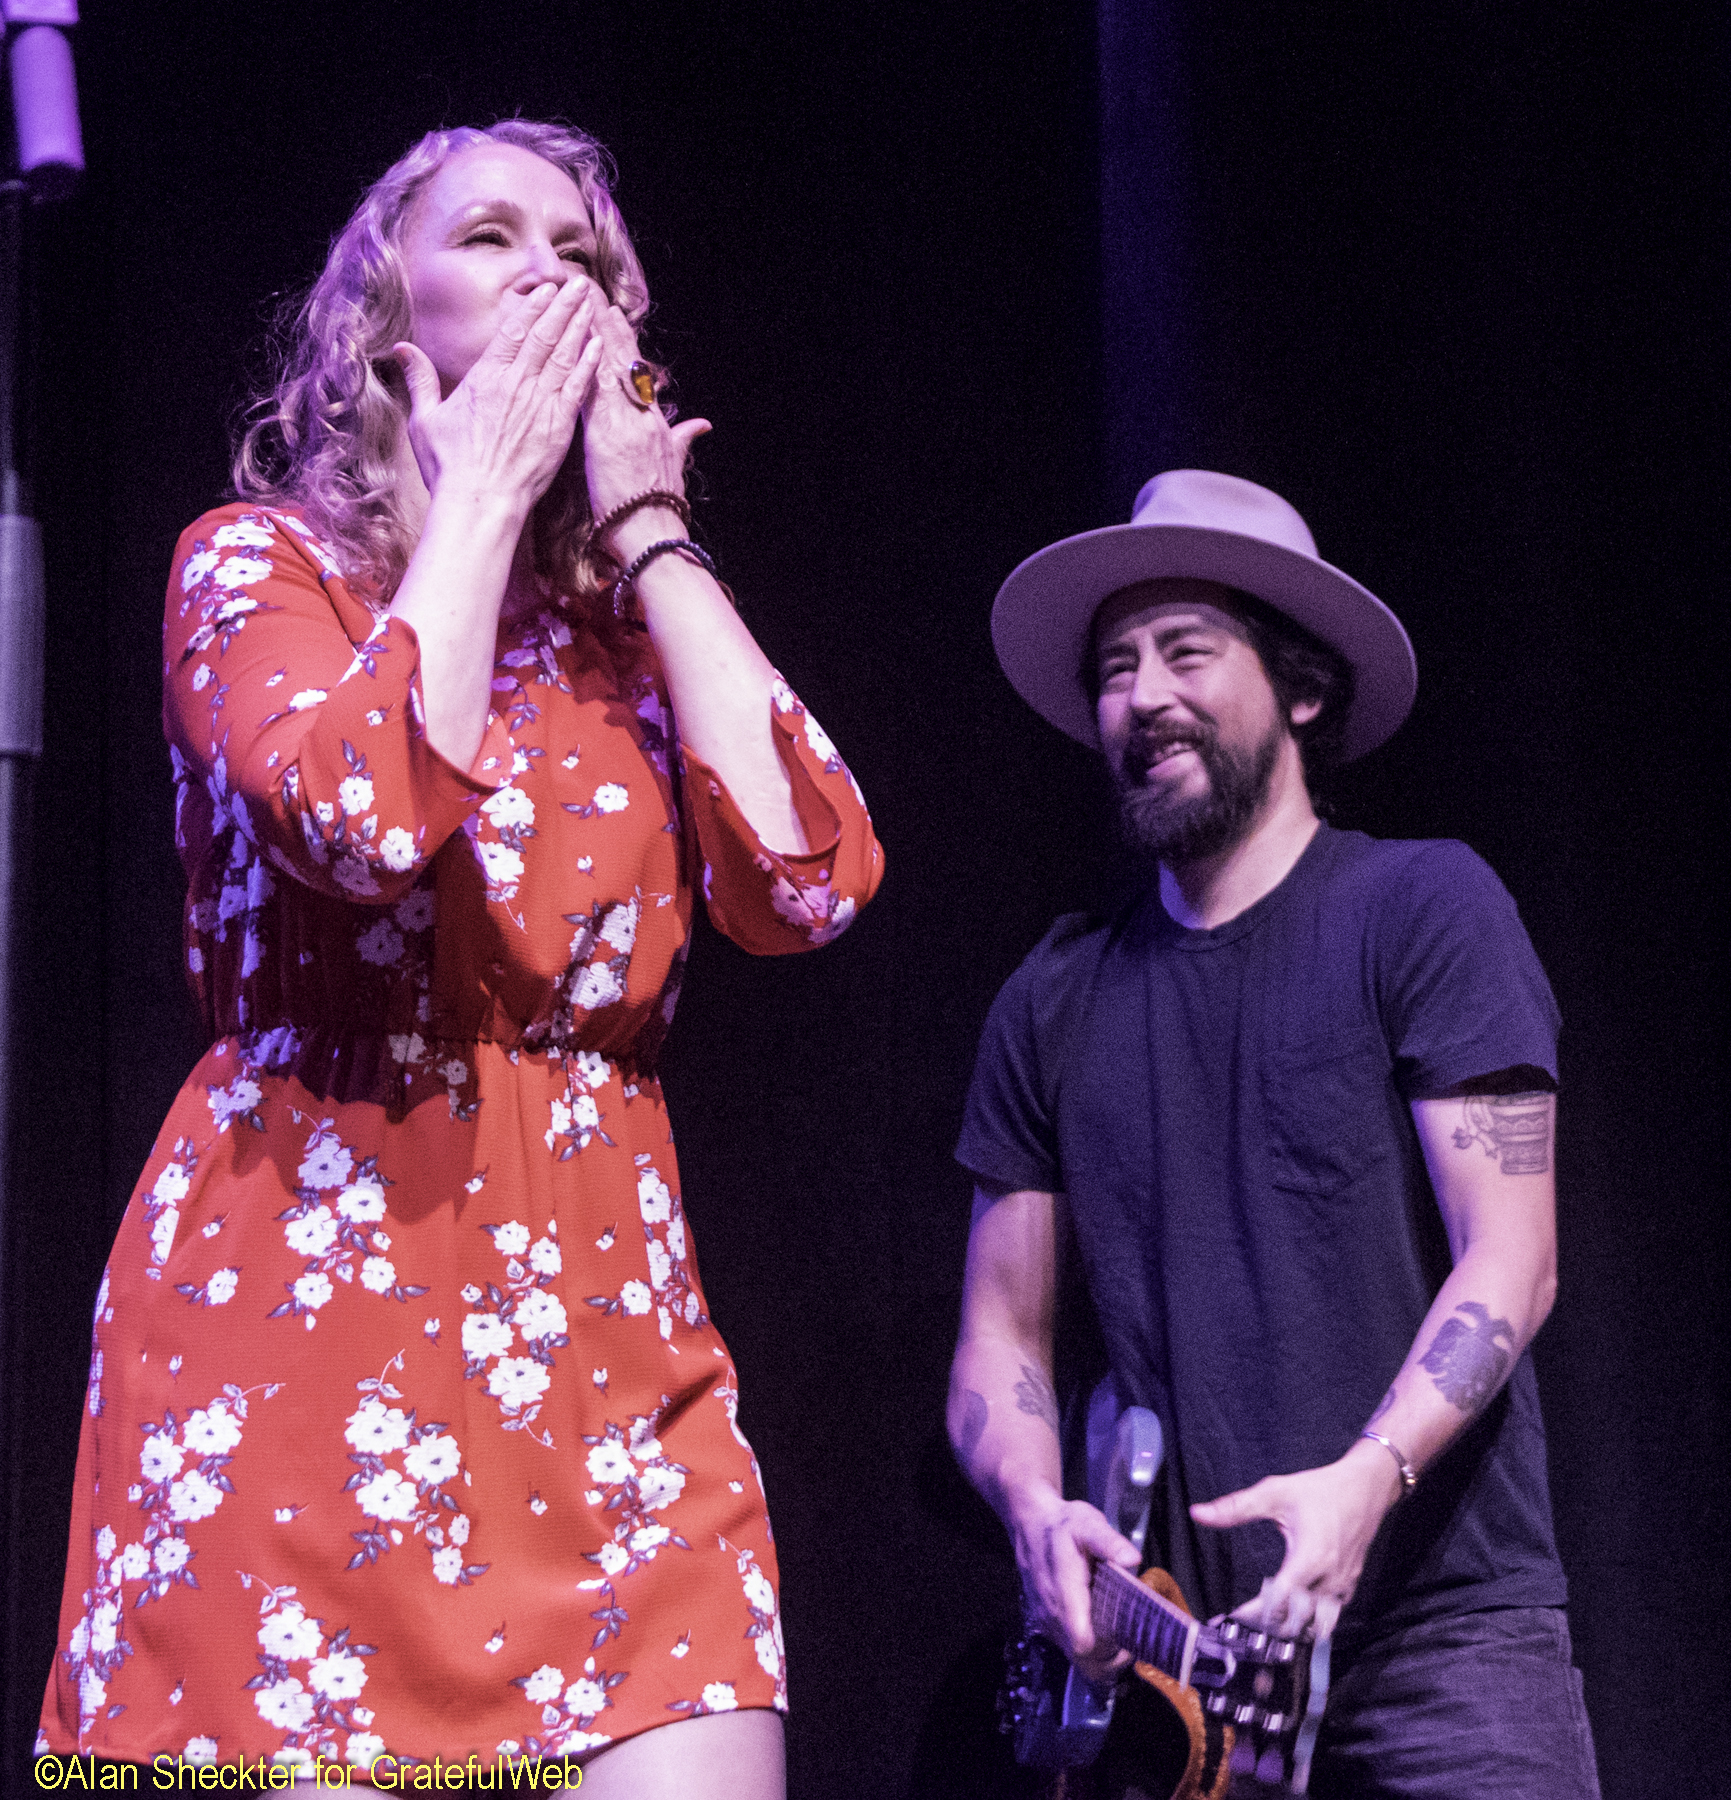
[[1249, 1703]]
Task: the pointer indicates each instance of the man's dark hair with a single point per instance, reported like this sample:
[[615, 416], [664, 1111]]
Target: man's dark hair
[[1299, 667]]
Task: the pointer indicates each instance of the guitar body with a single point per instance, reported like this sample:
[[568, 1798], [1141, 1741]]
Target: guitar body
[[1219, 1707]]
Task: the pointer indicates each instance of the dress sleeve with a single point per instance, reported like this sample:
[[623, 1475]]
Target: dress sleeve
[[772, 902], [301, 708]]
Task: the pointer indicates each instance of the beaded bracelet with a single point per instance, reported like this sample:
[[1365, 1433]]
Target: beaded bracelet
[[683, 546], [652, 497]]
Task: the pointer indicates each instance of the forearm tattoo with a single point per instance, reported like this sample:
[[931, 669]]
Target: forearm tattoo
[[1513, 1127], [1034, 1396], [974, 1410], [1382, 1406], [1468, 1358]]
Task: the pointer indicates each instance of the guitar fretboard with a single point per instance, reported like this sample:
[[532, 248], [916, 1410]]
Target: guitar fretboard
[[1152, 1629]]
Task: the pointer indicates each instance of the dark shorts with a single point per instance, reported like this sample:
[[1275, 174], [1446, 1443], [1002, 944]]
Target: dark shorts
[[1478, 1706]]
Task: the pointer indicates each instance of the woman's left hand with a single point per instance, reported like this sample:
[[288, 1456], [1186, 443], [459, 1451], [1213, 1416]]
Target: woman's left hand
[[628, 449]]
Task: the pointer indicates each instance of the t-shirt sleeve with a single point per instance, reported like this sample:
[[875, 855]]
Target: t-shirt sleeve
[[1009, 1125], [1464, 994]]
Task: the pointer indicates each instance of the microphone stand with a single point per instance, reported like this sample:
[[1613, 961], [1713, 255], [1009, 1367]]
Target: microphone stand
[[49, 159]]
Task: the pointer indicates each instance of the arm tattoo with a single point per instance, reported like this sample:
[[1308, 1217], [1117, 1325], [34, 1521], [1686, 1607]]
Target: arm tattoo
[[1465, 1360], [1382, 1406], [974, 1410], [1515, 1127], [1034, 1396]]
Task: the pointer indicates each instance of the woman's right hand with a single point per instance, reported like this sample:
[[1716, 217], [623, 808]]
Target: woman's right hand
[[500, 435]]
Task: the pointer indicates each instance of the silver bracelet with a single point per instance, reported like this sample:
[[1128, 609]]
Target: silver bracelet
[[1408, 1474]]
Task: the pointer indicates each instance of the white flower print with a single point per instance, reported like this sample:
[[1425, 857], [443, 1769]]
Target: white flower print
[[237, 1101], [170, 1555], [516, 1381], [585, 1698], [328, 1162], [654, 1200], [509, 808], [594, 1068], [613, 1558], [312, 1291], [609, 1464], [634, 1297], [196, 567], [619, 929], [511, 1239], [397, 850], [313, 1233], [193, 1498], [387, 1496], [610, 797], [377, 1429], [243, 534], [759, 1594], [484, 1335], [135, 1562], [338, 1676], [351, 872], [596, 986], [544, 1258], [414, 912], [363, 1203], [162, 1233], [220, 1289], [447, 1565], [285, 1704], [242, 571], [539, 1315], [433, 1460], [501, 865], [355, 794], [381, 943], [818, 739], [211, 1431], [544, 1684], [364, 1748], [307, 697], [172, 1185], [719, 1696], [378, 1275], [161, 1458], [660, 1486], [660, 1264], [199, 1751]]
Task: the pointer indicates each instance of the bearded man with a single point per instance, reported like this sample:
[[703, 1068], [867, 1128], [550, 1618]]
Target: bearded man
[[1289, 1113]]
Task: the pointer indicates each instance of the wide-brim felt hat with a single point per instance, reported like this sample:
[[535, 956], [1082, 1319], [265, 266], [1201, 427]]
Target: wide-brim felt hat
[[1209, 527]]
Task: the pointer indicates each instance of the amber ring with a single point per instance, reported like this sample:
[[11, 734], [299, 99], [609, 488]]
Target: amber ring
[[639, 384]]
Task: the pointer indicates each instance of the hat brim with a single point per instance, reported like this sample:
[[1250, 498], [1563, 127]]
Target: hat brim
[[1044, 612]]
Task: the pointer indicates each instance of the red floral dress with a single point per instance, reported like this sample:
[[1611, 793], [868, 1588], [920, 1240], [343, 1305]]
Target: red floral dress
[[408, 1431]]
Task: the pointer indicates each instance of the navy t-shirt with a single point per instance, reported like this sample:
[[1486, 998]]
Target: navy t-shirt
[[1228, 1114]]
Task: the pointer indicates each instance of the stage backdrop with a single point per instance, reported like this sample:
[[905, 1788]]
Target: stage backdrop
[[951, 281]]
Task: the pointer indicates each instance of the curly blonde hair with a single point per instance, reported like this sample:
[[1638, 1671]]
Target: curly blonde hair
[[324, 439]]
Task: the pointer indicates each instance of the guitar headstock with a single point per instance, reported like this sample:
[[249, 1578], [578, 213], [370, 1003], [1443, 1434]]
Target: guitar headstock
[[1271, 1690]]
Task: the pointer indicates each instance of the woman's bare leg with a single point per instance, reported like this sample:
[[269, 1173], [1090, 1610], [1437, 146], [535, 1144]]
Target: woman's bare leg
[[720, 1756]]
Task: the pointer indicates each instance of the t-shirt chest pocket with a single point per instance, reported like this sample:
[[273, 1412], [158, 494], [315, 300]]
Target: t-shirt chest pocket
[[1326, 1103]]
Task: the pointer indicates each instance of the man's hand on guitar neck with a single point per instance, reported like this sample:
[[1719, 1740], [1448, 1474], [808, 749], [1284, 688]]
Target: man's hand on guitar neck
[[1057, 1543], [1003, 1419]]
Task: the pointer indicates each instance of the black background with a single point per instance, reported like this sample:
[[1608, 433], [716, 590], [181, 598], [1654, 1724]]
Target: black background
[[952, 280]]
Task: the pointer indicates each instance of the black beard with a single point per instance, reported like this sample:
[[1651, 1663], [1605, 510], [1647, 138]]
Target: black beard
[[1173, 829]]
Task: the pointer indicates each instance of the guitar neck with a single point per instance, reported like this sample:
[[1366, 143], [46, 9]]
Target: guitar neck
[[1141, 1621]]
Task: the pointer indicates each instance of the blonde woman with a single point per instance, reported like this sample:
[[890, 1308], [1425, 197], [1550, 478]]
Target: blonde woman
[[409, 1436]]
